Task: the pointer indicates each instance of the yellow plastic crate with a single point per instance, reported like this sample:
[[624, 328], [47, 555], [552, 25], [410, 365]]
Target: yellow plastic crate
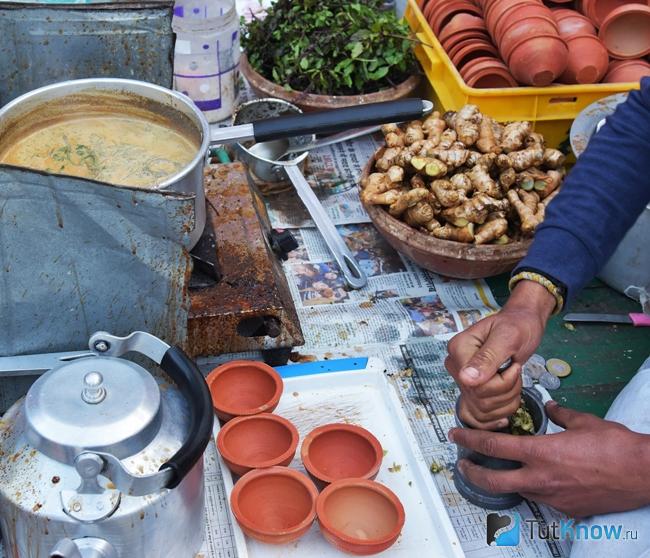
[[550, 109]]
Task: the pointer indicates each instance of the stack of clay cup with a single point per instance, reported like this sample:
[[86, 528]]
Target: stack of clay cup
[[529, 42], [463, 34]]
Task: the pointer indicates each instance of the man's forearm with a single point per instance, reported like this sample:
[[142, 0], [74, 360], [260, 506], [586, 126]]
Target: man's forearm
[[600, 200]]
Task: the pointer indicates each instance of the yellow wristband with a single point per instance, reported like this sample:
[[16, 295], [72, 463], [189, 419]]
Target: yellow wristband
[[544, 282]]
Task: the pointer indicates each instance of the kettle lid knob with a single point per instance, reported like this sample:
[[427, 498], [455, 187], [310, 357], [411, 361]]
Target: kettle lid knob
[[93, 391]]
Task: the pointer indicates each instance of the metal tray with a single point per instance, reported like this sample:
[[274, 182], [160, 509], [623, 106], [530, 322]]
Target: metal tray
[[357, 391]]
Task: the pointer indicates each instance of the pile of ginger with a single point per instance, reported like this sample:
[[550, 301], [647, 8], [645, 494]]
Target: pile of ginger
[[463, 176]]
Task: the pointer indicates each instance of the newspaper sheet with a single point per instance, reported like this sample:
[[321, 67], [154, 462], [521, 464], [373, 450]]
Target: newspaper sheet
[[404, 316]]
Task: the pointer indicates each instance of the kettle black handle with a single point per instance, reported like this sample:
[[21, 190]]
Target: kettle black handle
[[192, 385]]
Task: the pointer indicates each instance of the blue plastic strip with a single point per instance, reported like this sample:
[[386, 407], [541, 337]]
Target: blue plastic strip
[[322, 367]]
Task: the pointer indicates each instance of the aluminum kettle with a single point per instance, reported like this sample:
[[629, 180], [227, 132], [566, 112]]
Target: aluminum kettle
[[103, 460]]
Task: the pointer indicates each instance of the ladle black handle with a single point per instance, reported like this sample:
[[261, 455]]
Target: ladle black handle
[[340, 119], [192, 385]]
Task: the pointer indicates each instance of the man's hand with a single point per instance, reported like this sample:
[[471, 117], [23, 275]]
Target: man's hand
[[476, 354], [595, 466]]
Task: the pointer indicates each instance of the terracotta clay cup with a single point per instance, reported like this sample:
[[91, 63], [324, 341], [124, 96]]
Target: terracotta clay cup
[[244, 387], [360, 516], [340, 451], [460, 23], [522, 30], [627, 71], [275, 505], [257, 442], [520, 15], [501, 8], [626, 32], [598, 10], [488, 73], [442, 15], [572, 23], [472, 50], [588, 60], [539, 61], [457, 38]]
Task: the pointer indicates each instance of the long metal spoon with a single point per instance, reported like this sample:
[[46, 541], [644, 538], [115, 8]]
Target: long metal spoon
[[278, 149], [352, 273]]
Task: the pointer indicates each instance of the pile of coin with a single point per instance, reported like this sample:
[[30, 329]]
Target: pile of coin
[[545, 372]]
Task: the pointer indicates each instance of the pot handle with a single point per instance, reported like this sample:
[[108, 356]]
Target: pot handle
[[190, 382], [340, 119]]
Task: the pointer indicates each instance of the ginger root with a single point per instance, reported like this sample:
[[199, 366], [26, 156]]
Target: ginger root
[[463, 176], [466, 124], [459, 234], [433, 127], [514, 136], [420, 215], [433, 168], [529, 219], [406, 200], [447, 194], [487, 140], [490, 231]]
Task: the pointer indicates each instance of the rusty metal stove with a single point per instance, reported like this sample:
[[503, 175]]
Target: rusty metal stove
[[249, 307]]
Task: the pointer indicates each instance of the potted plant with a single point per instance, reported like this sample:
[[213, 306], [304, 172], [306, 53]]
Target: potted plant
[[321, 55]]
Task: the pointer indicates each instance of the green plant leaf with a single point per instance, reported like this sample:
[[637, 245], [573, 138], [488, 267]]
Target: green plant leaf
[[379, 73], [357, 49]]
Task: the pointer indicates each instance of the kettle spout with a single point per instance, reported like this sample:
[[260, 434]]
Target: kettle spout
[[65, 548], [87, 547]]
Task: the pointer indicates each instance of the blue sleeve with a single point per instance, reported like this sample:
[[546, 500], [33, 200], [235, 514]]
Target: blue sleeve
[[600, 200]]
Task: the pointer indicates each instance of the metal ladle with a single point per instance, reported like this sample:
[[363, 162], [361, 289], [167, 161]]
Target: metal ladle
[[276, 150], [279, 149]]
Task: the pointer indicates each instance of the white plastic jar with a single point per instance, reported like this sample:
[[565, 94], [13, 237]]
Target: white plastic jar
[[206, 55]]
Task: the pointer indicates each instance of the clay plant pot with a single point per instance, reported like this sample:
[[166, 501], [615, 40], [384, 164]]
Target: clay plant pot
[[472, 50], [257, 442], [460, 23], [443, 13], [627, 71], [479, 496], [360, 516], [309, 102], [276, 505], [626, 32], [573, 24], [524, 29], [340, 451], [244, 387], [539, 61], [588, 60]]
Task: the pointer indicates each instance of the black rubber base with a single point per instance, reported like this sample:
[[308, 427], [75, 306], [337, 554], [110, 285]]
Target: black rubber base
[[481, 498]]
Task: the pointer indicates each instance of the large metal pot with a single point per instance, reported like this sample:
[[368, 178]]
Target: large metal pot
[[100, 461], [127, 96]]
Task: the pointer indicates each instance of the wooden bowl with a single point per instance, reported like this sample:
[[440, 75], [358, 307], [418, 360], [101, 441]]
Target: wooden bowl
[[309, 102], [446, 257]]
